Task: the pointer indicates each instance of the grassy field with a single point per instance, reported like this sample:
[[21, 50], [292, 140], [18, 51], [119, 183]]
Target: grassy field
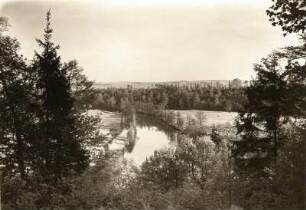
[[113, 119], [109, 119], [212, 117]]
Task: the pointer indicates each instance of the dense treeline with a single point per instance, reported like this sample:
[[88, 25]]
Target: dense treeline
[[44, 129], [173, 97], [197, 174]]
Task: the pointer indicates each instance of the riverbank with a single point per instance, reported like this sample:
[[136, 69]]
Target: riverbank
[[165, 122], [212, 118], [140, 134], [187, 122]]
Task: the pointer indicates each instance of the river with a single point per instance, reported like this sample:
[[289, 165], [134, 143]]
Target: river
[[140, 135]]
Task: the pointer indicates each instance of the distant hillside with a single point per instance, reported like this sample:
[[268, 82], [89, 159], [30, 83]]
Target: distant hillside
[[203, 83]]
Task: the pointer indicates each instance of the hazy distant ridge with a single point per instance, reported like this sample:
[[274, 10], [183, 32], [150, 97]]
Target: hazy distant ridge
[[213, 83]]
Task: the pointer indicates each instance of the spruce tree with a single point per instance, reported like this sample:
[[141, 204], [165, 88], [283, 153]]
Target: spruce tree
[[260, 122], [60, 151]]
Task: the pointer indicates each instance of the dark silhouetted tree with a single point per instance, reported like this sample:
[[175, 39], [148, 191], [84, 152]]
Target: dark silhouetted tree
[[289, 14], [259, 124], [16, 116], [61, 153]]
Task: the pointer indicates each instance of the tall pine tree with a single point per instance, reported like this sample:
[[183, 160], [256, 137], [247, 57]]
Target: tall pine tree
[[260, 122], [60, 151]]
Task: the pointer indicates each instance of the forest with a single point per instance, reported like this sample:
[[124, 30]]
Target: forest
[[45, 133], [173, 97]]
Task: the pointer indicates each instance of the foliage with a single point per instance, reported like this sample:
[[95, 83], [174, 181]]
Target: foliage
[[172, 97], [61, 151], [82, 89], [164, 169], [274, 97], [259, 123], [272, 127], [276, 189], [17, 122], [289, 14], [194, 175], [44, 126]]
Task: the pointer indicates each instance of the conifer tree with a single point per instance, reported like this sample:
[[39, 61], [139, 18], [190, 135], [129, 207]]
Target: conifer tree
[[61, 153], [260, 121]]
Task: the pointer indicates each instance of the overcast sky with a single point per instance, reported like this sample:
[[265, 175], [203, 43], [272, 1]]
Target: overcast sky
[[152, 40]]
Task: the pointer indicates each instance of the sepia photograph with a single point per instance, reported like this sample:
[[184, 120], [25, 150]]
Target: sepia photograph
[[152, 104]]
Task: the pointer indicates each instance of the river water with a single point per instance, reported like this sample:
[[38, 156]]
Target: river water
[[140, 135]]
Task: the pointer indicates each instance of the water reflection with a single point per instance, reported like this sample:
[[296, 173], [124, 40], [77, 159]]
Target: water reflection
[[145, 134], [131, 138]]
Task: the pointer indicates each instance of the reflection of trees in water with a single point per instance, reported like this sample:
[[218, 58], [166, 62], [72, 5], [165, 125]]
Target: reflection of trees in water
[[131, 137], [146, 121], [128, 122]]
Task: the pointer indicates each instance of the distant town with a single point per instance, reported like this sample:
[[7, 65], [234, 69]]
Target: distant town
[[235, 83]]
